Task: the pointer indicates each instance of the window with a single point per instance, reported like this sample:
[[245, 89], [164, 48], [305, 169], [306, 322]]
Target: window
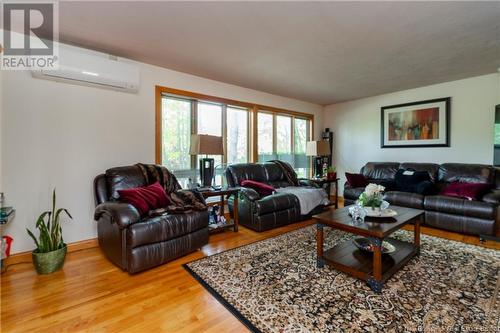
[[265, 136], [248, 134], [301, 133], [237, 135], [284, 138], [209, 120], [176, 133]]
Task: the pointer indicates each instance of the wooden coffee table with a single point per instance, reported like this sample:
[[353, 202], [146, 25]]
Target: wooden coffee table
[[375, 268]]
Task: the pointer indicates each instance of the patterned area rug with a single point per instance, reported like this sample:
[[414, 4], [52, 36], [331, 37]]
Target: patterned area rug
[[274, 286]]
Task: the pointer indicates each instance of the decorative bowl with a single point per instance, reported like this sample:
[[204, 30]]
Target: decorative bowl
[[364, 244], [377, 212]]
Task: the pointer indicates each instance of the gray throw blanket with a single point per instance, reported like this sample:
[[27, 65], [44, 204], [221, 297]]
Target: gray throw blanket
[[309, 197]]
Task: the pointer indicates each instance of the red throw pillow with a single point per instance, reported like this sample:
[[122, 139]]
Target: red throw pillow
[[145, 198], [356, 179], [470, 191], [261, 188]]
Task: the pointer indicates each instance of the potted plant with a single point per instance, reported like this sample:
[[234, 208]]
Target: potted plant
[[50, 249], [331, 173]]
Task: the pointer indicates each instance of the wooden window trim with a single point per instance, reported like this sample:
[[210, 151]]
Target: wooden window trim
[[253, 109]]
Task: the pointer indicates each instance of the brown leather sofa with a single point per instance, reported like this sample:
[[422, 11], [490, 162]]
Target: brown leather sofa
[[134, 243], [443, 212], [264, 213]]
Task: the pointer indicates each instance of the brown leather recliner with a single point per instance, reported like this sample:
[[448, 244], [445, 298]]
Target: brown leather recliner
[[264, 213], [134, 243], [475, 217]]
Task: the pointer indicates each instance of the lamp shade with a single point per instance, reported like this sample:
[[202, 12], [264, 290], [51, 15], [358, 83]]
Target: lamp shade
[[206, 144], [317, 148]]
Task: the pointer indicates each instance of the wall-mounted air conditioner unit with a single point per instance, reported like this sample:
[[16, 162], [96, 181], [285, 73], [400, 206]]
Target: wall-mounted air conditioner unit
[[85, 67]]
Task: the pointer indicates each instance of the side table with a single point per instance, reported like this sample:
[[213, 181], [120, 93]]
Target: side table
[[4, 220], [226, 191], [326, 184]]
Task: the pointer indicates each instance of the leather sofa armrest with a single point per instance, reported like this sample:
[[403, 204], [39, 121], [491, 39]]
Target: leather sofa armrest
[[249, 193], [307, 182], [492, 197], [276, 202], [120, 213]]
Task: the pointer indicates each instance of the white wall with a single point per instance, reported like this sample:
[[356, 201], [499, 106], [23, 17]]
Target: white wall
[[62, 135], [356, 125]]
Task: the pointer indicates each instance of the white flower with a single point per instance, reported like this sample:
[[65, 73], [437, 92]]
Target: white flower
[[373, 189]]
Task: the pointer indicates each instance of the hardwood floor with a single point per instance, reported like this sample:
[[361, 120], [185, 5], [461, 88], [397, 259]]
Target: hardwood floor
[[91, 294]]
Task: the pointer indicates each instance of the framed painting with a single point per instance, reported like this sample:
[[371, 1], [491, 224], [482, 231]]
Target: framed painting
[[417, 124]]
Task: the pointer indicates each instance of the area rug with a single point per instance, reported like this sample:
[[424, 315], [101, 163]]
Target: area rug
[[274, 286]]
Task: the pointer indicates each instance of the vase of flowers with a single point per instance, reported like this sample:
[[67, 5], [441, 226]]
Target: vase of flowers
[[372, 198]]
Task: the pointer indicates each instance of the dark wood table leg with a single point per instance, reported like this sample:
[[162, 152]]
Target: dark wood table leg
[[416, 234], [375, 282], [235, 212], [320, 261], [336, 194]]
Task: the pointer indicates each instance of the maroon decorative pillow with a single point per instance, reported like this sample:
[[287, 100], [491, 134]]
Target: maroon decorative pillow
[[261, 188], [145, 198], [356, 179], [470, 191]]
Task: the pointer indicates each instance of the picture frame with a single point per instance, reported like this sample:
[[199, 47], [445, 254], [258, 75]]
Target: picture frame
[[417, 124]]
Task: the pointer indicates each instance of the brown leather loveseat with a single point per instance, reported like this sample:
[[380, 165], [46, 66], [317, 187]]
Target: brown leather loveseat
[[475, 217], [134, 243]]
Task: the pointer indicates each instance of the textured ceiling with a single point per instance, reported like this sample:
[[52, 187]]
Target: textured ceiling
[[322, 52]]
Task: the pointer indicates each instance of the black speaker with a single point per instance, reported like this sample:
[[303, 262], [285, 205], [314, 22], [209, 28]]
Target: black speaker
[[206, 171], [318, 167]]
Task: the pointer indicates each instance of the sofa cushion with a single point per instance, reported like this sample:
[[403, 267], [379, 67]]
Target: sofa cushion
[[121, 178], [413, 181], [431, 168], [279, 183], [261, 188], [460, 206], [405, 199], [275, 202], [380, 170], [353, 193], [261, 172], [356, 179], [466, 173], [469, 191], [461, 224], [165, 227]]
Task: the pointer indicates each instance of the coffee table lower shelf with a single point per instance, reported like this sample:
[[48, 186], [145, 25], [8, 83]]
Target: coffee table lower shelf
[[346, 257]]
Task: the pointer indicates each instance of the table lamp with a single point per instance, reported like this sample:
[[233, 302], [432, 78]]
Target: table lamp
[[207, 145], [318, 149]]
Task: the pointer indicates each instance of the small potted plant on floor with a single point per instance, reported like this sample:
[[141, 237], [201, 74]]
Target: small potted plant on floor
[[50, 249]]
